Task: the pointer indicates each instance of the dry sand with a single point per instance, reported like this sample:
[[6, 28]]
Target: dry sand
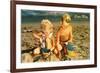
[[81, 39]]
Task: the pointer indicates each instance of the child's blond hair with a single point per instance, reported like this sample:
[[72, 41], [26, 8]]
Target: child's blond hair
[[45, 23]]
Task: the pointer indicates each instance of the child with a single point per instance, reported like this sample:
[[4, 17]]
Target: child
[[47, 35], [64, 36], [45, 39]]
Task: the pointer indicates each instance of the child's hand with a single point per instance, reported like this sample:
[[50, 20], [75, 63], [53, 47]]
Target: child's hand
[[55, 51]]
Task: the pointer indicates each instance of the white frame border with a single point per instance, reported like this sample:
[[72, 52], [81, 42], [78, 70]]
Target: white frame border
[[20, 65]]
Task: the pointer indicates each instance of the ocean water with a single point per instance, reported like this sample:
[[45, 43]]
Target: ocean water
[[36, 19], [53, 19], [36, 16]]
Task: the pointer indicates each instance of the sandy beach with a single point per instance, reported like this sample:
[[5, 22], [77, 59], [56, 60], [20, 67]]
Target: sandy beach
[[81, 39]]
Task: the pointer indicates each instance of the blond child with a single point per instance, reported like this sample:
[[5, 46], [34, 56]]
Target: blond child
[[64, 36]]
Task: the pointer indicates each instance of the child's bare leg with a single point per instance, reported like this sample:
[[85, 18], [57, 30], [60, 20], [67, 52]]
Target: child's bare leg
[[59, 55], [65, 51]]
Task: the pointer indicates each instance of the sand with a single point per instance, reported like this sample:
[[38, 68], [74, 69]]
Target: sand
[[81, 39]]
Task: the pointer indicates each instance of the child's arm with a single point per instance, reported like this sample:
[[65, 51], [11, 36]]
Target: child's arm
[[53, 44], [57, 38], [70, 35], [36, 36], [59, 47]]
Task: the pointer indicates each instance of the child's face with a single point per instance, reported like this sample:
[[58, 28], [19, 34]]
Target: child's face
[[47, 26], [66, 19], [48, 29]]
